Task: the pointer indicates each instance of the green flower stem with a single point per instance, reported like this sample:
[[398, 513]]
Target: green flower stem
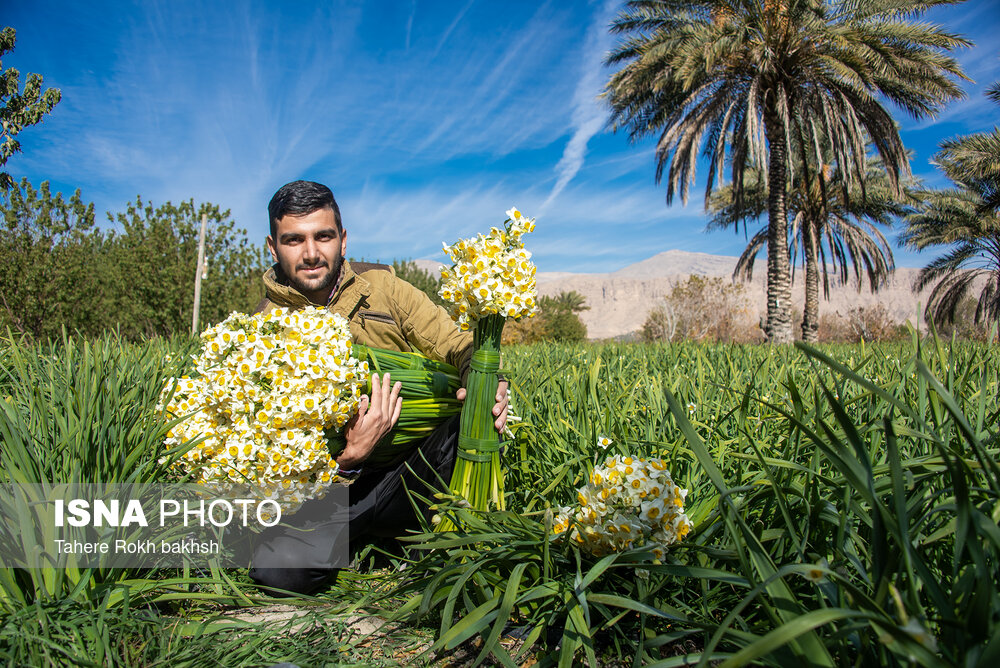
[[477, 476]]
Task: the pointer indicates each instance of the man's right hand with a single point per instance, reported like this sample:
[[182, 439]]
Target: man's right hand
[[376, 416]]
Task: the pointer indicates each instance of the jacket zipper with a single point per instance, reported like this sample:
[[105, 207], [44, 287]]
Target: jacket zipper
[[377, 317]]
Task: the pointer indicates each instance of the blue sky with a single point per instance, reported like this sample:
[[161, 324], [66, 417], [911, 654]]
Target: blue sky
[[427, 119]]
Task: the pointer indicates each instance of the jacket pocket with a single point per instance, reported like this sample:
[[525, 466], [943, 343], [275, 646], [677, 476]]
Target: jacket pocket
[[376, 316]]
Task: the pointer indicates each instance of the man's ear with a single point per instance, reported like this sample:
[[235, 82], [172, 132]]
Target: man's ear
[[271, 247], [343, 243]]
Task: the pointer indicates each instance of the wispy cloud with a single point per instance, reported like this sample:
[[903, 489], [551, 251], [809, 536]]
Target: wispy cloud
[[451, 27], [588, 114], [595, 229], [491, 104]]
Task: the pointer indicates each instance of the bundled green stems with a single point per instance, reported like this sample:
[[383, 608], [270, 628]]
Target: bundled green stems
[[428, 396], [477, 475]]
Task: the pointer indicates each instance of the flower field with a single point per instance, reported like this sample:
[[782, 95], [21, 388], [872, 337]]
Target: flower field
[[843, 505]]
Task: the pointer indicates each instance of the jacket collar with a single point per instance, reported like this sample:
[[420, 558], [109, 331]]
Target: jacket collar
[[352, 292]]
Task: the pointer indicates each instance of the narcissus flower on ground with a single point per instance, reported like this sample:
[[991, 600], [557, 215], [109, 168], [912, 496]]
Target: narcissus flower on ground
[[629, 502]]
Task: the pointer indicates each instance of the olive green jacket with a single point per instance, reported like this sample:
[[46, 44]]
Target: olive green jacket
[[383, 311]]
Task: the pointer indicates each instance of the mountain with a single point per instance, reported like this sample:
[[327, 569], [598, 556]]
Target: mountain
[[620, 301]]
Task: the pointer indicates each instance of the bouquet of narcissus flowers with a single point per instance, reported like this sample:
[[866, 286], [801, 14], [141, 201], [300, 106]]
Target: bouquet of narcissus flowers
[[491, 275], [269, 391], [629, 503], [491, 279]]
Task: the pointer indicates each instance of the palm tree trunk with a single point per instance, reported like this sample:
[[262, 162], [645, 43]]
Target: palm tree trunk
[[810, 318], [779, 282]]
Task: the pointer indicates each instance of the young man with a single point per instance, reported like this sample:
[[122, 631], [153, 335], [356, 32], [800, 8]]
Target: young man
[[308, 243]]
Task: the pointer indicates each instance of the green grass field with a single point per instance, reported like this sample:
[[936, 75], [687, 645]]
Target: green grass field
[[845, 502]]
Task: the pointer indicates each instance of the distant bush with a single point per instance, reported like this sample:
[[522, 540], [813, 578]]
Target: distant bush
[[702, 309], [557, 320], [963, 325], [862, 323], [58, 269]]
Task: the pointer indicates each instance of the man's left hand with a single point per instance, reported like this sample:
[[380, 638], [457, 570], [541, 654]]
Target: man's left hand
[[501, 406]]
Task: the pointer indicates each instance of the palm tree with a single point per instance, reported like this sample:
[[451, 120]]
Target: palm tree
[[965, 219], [974, 160], [571, 301], [754, 75], [834, 225]]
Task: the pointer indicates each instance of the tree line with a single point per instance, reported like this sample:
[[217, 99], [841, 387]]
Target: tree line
[[60, 269]]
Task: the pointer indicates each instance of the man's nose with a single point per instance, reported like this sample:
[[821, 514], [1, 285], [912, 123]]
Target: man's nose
[[310, 252]]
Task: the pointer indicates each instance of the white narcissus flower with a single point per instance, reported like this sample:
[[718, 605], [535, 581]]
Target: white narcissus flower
[[817, 573], [604, 442]]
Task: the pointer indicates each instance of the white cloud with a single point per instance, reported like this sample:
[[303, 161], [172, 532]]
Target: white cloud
[[588, 113]]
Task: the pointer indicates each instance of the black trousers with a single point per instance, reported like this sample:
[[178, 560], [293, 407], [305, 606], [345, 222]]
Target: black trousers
[[379, 507]]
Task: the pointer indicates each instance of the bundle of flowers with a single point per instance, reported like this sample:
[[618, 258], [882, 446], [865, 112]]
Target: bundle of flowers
[[492, 274], [629, 503], [268, 390], [491, 279]]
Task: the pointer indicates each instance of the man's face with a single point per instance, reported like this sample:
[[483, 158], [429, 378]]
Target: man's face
[[310, 250]]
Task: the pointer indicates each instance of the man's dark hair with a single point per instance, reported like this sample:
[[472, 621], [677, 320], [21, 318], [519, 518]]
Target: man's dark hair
[[299, 198]]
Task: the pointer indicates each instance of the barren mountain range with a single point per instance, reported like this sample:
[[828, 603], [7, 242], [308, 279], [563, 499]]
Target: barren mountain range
[[620, 301]]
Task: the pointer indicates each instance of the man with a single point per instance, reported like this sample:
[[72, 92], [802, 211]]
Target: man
[[308, 243]]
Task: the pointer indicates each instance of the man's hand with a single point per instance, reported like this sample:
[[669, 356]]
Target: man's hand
[[501, 406], [376, 417]]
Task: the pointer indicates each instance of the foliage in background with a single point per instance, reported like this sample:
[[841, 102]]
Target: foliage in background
[[58, 269], [702, 309], [55, 270], [964, 326], [425, 281], [965, 222], [861, 324], [155, 252], [558, 320], [19, 107]]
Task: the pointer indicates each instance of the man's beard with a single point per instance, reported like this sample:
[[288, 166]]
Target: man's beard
[[327, 283]]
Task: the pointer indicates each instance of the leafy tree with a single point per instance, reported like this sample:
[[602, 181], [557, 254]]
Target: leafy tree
[[19, 108], [700, 309], [155, 251], [754, 76], [833, 222], [419, 278], [58, 269], [53, 272], [560, 317]]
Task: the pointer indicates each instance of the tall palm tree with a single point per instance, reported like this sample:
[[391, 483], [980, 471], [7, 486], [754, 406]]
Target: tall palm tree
[[974, 160], [754, 75], [834, 226], [965, 219]]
